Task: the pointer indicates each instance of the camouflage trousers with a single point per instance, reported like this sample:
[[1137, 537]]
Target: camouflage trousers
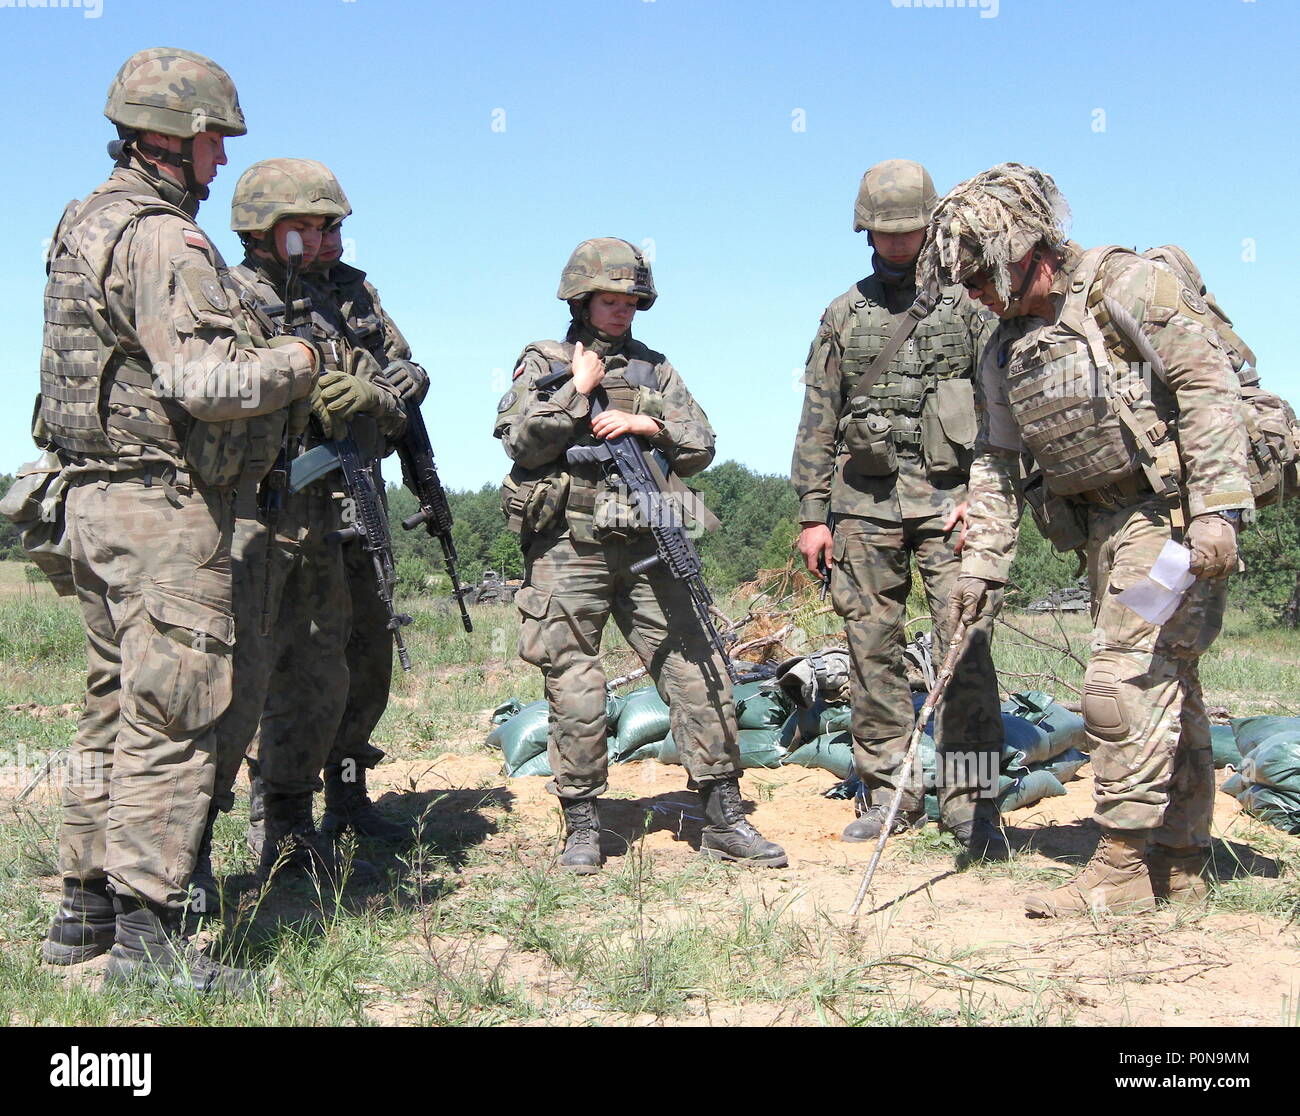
[[870, 583], [370, 665], [570, 590], [1147, 727], [151, 565], [290, 685]]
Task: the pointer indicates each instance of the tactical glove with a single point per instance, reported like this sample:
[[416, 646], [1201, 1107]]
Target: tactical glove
[[407, 378], [969, 601], [334, 428], [1213, 543], [344, 395]]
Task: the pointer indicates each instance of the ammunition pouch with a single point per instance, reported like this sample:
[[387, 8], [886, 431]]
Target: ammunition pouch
[[531, 503], [948, 427], [869, 439], [35, 503], [1062, 522]]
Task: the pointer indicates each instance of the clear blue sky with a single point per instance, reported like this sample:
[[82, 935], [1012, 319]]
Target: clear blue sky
[[673, 121]]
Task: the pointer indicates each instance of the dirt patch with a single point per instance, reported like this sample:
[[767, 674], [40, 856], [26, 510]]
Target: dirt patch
[[952, 937]]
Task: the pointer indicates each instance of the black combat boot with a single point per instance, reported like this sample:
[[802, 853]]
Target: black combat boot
[[729, 835], [205, 894], [256, 836], [84, 925], [981, 838], [348, 806], [150, 947], [582, 837], [867, 825], [302, 852]]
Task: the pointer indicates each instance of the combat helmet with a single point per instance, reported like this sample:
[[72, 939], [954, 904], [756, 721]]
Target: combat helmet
[[990, 221], [276, 188], [896, 196], [607, 264], [175, 93]]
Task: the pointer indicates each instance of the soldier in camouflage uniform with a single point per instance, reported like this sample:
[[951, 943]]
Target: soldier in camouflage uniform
[[293, 636], [161, 396], [890, 464], [1111, 408], [370, 646], [581, 540]]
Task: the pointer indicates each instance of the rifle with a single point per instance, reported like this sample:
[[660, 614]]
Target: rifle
[[421, 477], [369, 523], [278, 478], [822, 565], [625, 460]]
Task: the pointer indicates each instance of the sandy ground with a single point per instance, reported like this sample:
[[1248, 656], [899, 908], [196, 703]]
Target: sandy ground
[[1175, 967]]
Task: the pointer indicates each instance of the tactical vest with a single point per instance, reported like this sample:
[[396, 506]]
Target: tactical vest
[[358, 308], [593, 510], [99, 401], [923, 377], [322, 321], [1090, 418]]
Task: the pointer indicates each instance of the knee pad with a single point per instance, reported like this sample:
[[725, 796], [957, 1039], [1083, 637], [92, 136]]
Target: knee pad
[[1104, 710]]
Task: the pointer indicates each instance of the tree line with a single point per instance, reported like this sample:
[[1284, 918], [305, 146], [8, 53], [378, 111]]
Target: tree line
[[759, 517]]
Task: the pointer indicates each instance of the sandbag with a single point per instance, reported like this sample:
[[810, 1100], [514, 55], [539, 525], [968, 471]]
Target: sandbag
[[1066, 729], [1278, 806], [832, 752], [1234, 784], [758, 708], [1028, 789], [1223, 742], [538, 765], [520, 734], [758, 748], [1065, 766], [1275, 762], [642, 720], [1251, 731]]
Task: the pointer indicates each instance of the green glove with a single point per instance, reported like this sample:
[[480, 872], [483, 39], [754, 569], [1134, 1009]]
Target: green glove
[[333, 428], [344, 395]]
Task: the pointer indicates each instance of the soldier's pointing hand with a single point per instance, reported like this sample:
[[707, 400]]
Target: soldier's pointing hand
[[588, 369]]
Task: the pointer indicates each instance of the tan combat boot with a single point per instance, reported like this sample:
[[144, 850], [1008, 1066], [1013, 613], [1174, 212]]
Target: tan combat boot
[[1114, 881], [1178, 874]]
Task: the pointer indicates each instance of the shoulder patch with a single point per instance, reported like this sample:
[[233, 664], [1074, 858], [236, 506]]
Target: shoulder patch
[[212, 291], [507, 401], [519, 371], [196, 239], [1194, 301]]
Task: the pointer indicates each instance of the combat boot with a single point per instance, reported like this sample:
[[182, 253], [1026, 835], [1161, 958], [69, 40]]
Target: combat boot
[[293, 848], [867, 825], [205, 894], [84, 925], [348, 806], [729, 834], [255, 838], [151, 948], [581, 837], [1178, 875], [981, 837], [1115, 880]]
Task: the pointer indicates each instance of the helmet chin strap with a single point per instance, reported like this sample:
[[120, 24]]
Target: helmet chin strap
[[182, 160], [1030, 272]]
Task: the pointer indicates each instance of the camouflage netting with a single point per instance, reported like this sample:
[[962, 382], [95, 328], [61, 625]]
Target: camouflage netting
[[991, 221]]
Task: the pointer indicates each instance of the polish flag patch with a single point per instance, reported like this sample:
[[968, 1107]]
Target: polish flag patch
[[196, 239], [518, 372]]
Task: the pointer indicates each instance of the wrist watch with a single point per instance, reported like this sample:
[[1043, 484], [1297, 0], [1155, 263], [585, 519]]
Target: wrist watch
[[1233, 516]]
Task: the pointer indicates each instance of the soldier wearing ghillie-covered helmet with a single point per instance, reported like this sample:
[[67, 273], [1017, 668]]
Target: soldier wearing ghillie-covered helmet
[[1111, 408], [583, 538], [160, 396], [880, 464]]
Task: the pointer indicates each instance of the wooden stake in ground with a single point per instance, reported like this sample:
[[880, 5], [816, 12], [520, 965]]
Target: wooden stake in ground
[[931, 700]]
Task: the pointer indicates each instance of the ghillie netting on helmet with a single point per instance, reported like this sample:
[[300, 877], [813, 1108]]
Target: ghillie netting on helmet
[[990, 221]]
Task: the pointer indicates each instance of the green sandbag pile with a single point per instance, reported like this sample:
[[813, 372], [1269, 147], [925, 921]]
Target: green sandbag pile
[[520, 733], [1223, 742], [1267, 783]]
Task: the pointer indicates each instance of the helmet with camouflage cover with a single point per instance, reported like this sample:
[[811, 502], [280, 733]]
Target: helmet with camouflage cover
[[896, 196], [175, 93], [276, 188], [991, 221], [607, 264]]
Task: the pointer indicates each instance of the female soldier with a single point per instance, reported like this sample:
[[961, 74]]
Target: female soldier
[[582, 538]]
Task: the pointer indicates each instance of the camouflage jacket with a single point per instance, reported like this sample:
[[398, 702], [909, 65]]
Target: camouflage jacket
[[945, 346], [203, 370], [262, 283], [537, 427], [1202, 393]]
